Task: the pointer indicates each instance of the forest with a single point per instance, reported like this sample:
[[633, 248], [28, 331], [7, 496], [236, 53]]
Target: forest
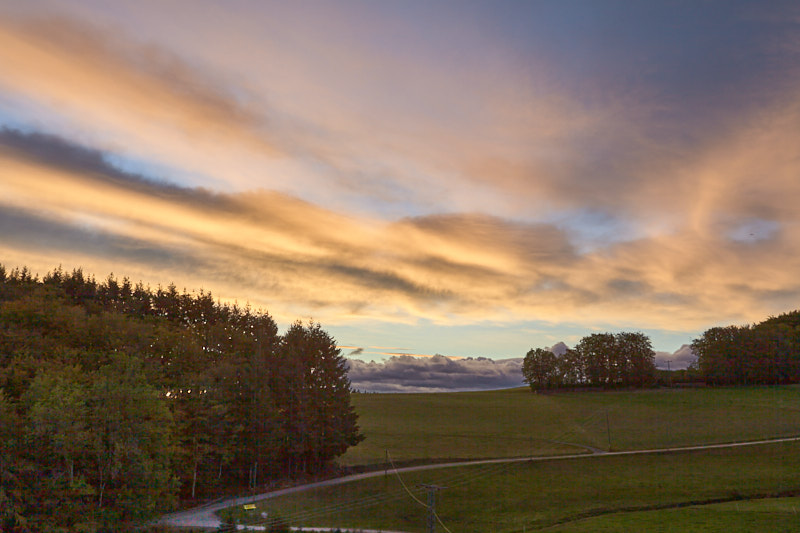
[[117, 400], [766, 353]]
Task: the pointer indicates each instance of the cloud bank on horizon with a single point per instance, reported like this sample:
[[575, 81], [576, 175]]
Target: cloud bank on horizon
[[431, 165], [405, 373], [437, 373]]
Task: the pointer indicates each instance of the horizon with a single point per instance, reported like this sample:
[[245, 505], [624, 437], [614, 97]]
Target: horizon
[[470, 180]]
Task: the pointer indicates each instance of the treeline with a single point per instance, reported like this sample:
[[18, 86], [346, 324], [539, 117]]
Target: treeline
[[598, 360], [116, 399], [763, 353]]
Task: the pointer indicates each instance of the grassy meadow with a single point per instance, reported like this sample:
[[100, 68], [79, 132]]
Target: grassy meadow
[[676, 491], [559, 494], [744, 516], [516, 422]]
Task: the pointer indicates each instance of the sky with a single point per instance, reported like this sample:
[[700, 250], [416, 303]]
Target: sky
[[461, 178]]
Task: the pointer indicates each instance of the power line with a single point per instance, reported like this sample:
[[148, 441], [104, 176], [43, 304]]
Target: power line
[[403, 483], [432, 516], [460, 477]]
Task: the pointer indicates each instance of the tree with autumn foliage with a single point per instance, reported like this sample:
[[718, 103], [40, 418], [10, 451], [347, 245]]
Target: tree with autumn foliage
[[116, 400], [763, 353]]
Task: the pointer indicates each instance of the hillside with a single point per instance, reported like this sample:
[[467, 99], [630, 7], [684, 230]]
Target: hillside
[[515, 422], [566, 493]]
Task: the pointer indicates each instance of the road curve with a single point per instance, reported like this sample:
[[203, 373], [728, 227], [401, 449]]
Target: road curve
[[204, 515]]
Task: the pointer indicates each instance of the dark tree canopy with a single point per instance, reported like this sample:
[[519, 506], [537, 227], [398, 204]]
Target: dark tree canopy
[[764, 353], [599, 359], [116, 399]]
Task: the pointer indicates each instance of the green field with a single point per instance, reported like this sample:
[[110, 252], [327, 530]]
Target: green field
[[535, 495], [649, 492], [771, 514], [516, 422]]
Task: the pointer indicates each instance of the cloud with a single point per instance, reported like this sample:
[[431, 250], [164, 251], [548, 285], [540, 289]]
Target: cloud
[[684, 356], [349, 178], [678, 360], [301, 119], [27, 230], [282, 252], [434, 374], [344, 109], [413, 373], [150, 103], [306, 120], [414, 262], [559, 348], [406, 373], [145, 85]]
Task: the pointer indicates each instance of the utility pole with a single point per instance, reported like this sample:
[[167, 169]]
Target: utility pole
[[432, 489], [669, 372]]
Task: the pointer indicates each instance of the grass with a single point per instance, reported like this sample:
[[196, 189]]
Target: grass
[[772, 514], [652, 492], [515, 422], [535, 495]]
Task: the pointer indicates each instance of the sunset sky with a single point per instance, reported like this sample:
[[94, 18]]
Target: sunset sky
[[462, 178]]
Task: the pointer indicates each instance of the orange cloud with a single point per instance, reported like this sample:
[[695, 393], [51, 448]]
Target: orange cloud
[[92, 71], [712, 224], [302, 259]]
